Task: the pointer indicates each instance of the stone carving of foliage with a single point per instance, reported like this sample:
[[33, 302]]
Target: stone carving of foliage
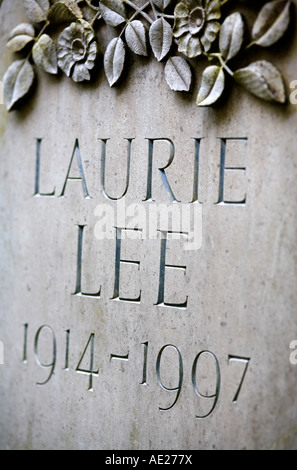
[[63, 35]]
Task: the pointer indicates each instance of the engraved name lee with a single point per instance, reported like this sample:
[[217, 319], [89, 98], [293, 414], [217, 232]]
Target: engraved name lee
[[85, 363]]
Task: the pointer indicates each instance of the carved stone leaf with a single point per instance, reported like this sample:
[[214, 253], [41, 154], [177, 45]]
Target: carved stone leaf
[[36, 10], [45, 54], [212, 86], [272, 23], [231, 36], [135, 35], [162, 4], [17, 82], [263, 80], [114, 60], [178, 74], [62, 12], [160, 38], [113, 12], [20, 36], [23, 28]]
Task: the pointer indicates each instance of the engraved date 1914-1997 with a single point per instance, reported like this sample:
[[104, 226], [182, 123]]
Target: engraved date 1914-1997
[[46, 334]]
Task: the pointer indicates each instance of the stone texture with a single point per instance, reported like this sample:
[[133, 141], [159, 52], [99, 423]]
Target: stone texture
[[241, 284]]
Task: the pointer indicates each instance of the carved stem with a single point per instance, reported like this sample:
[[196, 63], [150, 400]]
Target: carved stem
[[223, 63], [140, 10], [96, 17], [38, 37]]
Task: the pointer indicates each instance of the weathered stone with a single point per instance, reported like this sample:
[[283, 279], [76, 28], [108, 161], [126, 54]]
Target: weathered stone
[[146, 315]]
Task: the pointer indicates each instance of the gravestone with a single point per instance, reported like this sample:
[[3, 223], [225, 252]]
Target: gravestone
[[148, 245]]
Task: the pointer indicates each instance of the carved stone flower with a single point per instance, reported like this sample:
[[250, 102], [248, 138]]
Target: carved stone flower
[[77, 50], [195, 26]]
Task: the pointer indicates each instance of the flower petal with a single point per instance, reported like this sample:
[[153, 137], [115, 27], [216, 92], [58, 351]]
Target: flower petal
[[181, 26], [85, 25], [211, 31], [66, 63], [69, 59], [88, 37], [92, 54], [192, 4], [182, 18], [92, 51], [189, 45], [205, 43], [181, 11], [80, 73], [63, 51], [90, 64], [213, 10], [63, 41]]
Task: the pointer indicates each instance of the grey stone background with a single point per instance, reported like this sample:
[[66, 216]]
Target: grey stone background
[[241, 284]]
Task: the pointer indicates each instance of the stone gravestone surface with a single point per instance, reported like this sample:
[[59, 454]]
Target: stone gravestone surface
[[148, 246]]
